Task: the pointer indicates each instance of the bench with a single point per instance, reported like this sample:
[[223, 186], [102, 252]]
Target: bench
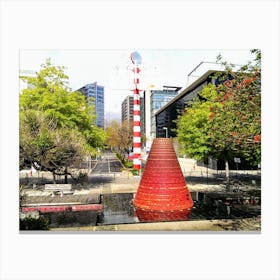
[[62, 188]]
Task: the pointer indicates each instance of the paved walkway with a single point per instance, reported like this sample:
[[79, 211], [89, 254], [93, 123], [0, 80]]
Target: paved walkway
[[252, 225]]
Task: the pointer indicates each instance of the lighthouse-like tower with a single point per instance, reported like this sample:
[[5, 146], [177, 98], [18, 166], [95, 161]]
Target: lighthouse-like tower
[[136, 60]]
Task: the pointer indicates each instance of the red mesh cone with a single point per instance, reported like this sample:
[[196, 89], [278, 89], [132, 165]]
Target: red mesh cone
[[163, 187], [156, 216]]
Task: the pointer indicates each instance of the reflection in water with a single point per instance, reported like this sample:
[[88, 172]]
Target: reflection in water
[[72, 219], [163, 216], [225, 206], [118, 208]]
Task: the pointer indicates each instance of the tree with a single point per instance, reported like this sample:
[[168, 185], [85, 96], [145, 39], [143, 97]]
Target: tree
[[126, 137], [120, 136], [236, 123], [50, 94], [56, 126], [193, 126], [112, 135], [47, 147], [226, 120]]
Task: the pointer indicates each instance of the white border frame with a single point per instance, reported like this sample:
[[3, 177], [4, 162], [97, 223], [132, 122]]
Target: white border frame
[[155, 24]]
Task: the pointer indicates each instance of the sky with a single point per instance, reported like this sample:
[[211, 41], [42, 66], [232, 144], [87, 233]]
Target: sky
[[112, 68]]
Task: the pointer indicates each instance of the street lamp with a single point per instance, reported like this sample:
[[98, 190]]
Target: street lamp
[[166, 132]]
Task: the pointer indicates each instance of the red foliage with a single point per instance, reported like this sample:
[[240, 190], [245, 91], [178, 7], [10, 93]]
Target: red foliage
[[228, 83], [226, 96], [247, 81], [257, 138]]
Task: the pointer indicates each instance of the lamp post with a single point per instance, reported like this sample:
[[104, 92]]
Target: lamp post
[[166, 131]]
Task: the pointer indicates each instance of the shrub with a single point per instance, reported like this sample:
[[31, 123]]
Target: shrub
[[30, 223]]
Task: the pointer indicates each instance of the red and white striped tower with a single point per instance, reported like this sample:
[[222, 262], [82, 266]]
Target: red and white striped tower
[[136, 60]]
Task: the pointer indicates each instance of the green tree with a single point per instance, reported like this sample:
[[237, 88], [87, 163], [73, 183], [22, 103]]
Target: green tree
[[120, 136], [226, 120], [112, 136], [49, 93], [125, 136], [193, 127], [48, 147], [56, 124]]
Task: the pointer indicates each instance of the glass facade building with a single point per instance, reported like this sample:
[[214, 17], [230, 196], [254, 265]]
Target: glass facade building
[[166, 116], [94, 93], [158, 98]]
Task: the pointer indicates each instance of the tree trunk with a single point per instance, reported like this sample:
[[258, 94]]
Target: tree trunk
[[54, 178], [227, 172], [65, 176]]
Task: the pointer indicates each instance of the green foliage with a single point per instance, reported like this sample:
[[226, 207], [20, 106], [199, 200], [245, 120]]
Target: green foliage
[[56, 124], [236, 123], [119, 156], [112, 135], [95, 138], [135, 172], [30, 223], [127, 163], [68, 109], [52, 148], [120, 136], [226, 121], [193, 127]]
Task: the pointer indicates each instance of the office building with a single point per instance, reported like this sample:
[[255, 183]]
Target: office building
[[127, 111], [94, 93], [165, 117], [154, 100]]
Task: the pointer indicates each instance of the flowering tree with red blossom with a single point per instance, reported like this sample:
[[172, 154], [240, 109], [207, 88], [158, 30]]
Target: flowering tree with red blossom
[[230, 119]]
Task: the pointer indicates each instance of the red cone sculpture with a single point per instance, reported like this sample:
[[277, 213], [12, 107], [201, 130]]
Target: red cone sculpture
[[162, 194]]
